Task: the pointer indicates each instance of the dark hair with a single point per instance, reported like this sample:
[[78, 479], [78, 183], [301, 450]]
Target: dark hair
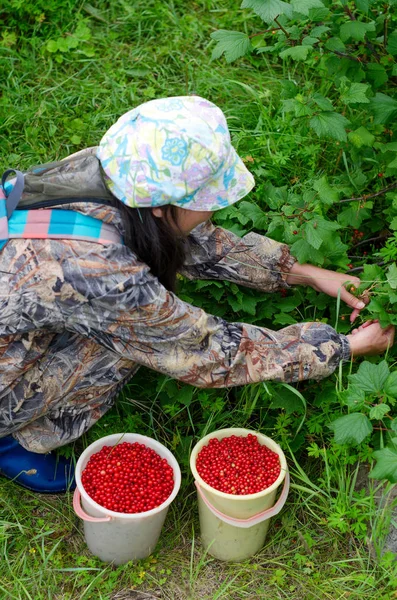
[[154, 240]]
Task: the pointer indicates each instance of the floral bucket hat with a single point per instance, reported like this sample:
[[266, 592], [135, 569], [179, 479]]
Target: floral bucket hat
[[174, 151]]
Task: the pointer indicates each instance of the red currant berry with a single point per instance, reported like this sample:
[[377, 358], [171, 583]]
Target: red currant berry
[[128, 478], [238, 465]]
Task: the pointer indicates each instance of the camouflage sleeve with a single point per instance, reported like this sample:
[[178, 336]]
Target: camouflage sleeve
[[253, 261], [126, 310]]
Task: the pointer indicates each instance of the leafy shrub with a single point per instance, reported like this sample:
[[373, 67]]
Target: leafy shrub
[[27, 16], [328, 130]]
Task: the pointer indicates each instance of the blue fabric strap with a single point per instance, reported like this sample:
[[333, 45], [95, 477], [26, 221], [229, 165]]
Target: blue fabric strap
[[13, 198]]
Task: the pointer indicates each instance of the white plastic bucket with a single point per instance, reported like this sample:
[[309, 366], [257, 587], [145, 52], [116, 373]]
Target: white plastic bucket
[[234, 528], [117, 537]]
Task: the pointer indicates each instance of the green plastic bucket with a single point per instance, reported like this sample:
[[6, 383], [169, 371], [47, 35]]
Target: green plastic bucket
[[234, 528]]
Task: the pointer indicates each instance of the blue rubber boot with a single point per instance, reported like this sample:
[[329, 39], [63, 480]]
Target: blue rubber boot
[[44, 473]]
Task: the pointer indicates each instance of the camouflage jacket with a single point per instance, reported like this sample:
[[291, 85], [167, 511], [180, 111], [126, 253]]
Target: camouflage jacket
[[109, 305]]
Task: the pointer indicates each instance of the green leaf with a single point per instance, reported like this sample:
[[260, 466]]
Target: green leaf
[[328, 195], [268, 9], [392, 276], [83, 32], [65, 44], [363, 5], [330, 124], [233, 44], [393, 164], [377, 74], [235, 302], [336, 251], [249, 305], [254, 213], [299, 106], [323, 103], [284, 319], [296, 52], [319, 30], [361, 137], [356, 94], [289, 303], [313, 236], [323, 225], [379, 411], [304, 252], [243, 303], [383, 107], [353, 216], [287, 400], [52, 46], [203, 283], [355, 30], [77, 125], [386, 465], [392, 43], [377, 309], [371, 378], [353, 397], [351, 429], [185, 395], [309, 41], [335, 44], [88, 51], [372, 273], [303, 6], [298, 394], [393, 425], [318, 14]]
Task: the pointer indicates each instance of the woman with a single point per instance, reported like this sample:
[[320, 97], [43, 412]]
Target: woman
[[79, 312]]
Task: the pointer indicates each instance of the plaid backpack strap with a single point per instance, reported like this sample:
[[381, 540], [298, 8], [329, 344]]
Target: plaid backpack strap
[[47, 223], [61, 224]]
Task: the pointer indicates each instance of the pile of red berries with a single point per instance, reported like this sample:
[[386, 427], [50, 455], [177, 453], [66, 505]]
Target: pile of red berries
[[238, 465], [128, 478]]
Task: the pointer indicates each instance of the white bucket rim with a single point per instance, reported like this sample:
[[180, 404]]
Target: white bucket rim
[[126, 437], [239, 431]]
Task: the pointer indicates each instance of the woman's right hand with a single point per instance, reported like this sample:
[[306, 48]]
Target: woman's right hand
[[370, 339]]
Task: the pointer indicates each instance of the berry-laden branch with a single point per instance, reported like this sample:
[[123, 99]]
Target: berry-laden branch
[[272, 30], [382, 263], [368, 196], [373, 239]]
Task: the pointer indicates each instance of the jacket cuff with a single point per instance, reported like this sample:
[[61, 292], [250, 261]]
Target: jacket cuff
[[346, 352], [285, 265]]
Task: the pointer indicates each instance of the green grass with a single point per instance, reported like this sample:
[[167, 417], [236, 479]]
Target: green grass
[[48, 109], [306, 556], [44, 556]]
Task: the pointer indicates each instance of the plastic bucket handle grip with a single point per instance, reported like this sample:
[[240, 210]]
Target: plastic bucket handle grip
[[251, 521], [83, 515]]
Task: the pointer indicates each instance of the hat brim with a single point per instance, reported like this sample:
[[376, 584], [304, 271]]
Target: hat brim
[[230, 184]]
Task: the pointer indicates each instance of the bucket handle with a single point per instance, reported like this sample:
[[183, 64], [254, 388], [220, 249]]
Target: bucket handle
[[83, 515], [255, 519]]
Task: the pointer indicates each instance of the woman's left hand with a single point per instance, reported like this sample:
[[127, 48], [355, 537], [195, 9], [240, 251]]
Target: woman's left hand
[[328, 282]]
